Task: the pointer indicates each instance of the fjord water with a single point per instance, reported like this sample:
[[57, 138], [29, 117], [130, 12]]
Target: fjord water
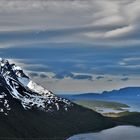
[[116, 133]]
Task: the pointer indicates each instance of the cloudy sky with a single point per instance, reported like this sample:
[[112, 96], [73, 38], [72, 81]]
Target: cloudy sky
[[73, 45]]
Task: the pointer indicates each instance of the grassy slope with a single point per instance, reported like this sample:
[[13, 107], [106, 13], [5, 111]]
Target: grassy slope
[[122, 118], [128, 118], [101, 104]]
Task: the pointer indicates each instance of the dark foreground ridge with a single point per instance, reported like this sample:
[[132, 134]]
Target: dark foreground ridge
[[28, 110]]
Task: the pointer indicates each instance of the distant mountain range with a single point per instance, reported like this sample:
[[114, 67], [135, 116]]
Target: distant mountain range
[[123, 93]]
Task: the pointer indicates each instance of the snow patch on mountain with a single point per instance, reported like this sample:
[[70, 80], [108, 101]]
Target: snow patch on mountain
[[4, 104], [30, 94], [37, 88]]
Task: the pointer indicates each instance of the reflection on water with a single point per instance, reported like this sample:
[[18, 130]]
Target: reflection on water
[[116, 133]]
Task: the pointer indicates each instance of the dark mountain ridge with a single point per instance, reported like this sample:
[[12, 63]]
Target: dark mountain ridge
[[28, 110]]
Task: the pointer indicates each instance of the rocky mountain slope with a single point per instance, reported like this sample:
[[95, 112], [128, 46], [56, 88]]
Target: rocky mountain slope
[[28, 110]]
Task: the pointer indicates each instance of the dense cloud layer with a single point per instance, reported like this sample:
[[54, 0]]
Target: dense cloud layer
[[109, 22], [100, 37]]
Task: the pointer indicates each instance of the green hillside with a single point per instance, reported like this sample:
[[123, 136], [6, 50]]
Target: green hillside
[[94, 104]]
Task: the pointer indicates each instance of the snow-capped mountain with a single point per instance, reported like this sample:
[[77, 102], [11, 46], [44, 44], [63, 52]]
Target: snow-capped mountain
[[29, 111], [16, 86]]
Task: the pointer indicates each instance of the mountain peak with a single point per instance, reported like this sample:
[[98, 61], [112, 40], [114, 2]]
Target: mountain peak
[[20, 88]]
